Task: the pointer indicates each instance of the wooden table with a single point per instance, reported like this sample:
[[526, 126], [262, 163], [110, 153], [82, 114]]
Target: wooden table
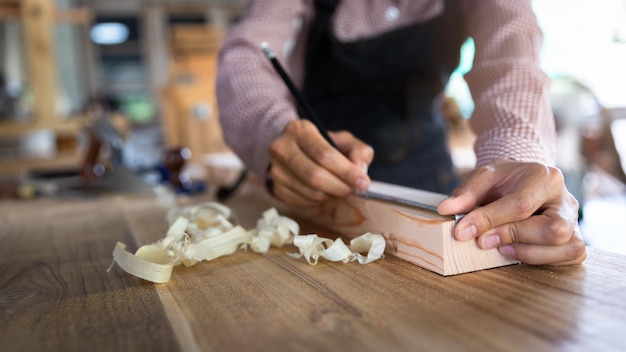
[[55, 294]]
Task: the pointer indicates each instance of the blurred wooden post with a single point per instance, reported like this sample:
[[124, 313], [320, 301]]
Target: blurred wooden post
[[189, 102], [38, 20], [155, 47]]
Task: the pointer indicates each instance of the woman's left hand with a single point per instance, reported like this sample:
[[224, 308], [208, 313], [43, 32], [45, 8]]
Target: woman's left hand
[[522, 208]]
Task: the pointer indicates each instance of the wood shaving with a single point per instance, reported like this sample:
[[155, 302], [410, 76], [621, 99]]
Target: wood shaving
[[204, 232], [312, 247]]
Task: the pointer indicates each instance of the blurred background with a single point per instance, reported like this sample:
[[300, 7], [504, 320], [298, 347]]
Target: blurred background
[[95, 89]]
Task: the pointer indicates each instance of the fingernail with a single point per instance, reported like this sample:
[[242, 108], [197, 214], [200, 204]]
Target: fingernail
[[468, 232], [364, 166], [490, 241], [449, 199], [507, 251], [361, 184]]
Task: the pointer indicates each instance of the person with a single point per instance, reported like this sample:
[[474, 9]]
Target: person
[[374, 72]]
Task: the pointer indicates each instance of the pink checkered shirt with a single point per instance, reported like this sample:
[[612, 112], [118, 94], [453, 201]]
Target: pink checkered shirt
[[512, 117]]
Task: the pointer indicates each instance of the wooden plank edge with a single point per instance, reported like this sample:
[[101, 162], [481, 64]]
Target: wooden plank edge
[[468, 257]]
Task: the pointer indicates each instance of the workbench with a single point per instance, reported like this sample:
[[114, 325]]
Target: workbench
[[56, 295]]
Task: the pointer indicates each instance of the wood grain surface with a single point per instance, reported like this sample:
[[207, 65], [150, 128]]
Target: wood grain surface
[[55, 294]]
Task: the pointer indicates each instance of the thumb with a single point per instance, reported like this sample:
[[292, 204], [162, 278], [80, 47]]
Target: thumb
[[470, 194], [461, 201]]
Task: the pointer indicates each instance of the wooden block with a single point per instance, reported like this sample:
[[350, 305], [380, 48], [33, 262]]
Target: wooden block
[[417, 235]]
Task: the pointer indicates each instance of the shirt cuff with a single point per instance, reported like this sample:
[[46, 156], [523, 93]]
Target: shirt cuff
[[491, 149]]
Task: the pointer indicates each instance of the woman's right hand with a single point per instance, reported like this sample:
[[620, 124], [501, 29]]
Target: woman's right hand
[[306, 169]]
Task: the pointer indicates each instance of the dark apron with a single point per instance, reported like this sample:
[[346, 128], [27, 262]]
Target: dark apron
[[388, 91]]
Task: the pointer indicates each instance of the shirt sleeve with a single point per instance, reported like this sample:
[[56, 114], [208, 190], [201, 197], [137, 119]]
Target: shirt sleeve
[[254, 104], [512, 117]]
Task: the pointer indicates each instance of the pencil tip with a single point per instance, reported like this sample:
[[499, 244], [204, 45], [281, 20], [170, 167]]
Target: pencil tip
[[266, 50]]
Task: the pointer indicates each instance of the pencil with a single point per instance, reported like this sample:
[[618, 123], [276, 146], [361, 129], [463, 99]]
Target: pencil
[[306, 109]]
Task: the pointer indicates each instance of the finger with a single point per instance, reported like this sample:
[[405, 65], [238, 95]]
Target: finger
[[359, 152], [524, 195], [288, 196], [465, 198], [283, 178], [574, 252], [316, 163], [492, 181], [508, 209], [303, 172], [308, 174], [332, 159], [470, 194], [539, 229]]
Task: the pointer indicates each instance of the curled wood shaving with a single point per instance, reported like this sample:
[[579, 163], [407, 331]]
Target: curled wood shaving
[[204, 232], [151, 262], [312, 247]]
